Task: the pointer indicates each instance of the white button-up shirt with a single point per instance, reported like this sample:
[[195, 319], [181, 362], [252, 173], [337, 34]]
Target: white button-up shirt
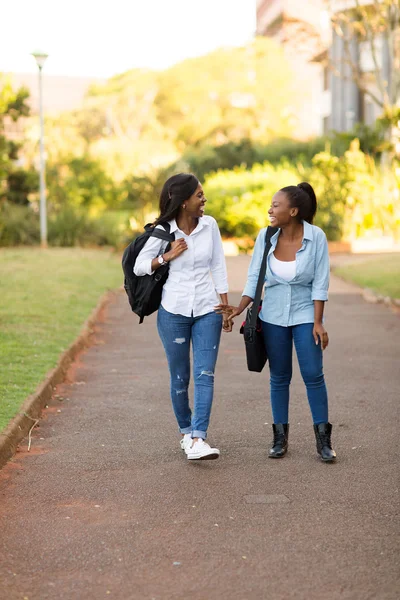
[[196, 276]]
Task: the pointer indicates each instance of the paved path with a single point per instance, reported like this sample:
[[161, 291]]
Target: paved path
[[106, 506]]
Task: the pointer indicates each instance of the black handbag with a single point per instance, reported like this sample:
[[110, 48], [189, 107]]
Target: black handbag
[[256, 353]]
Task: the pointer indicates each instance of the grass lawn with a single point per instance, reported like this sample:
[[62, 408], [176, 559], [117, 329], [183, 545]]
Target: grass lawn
[[381, 274], [45, 297]]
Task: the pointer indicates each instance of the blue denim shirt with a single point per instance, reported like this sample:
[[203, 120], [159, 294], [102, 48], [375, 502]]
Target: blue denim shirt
[[289, 303]]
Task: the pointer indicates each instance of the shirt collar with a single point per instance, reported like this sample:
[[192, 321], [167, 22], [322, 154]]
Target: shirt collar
[[307, 233], [173, 226], [202, 222]]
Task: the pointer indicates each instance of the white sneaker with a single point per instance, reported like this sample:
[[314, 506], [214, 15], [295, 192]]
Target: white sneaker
[[200, 450], [186, 441]]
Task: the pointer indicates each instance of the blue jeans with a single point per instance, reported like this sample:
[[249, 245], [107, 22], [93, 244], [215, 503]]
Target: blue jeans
[[176, 332], [279, 343]]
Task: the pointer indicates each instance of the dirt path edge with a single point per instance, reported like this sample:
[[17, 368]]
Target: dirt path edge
[[32, 407]]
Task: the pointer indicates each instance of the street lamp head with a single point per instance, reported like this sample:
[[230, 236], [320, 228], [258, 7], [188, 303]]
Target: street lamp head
[[40, 58]]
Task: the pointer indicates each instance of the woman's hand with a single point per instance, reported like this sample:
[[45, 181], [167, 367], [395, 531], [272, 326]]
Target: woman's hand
[[320, 335], [227, 324], [228, 311], [177, 248]]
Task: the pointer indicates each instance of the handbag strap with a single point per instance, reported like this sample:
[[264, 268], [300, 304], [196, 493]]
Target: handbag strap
[[261, 278]]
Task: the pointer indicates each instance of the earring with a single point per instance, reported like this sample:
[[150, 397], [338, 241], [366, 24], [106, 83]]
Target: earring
[[183, 205]]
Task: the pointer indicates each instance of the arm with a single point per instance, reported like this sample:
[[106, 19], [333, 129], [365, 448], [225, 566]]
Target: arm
[[319, 291], [147, 260], [219, 272], [145, 263], [251, 284], [218, 263], [320, 283]]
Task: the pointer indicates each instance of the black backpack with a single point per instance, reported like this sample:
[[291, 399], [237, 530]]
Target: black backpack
[[144, 292]]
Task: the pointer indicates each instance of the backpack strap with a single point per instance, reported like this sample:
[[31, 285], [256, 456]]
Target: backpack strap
[[162, 234]]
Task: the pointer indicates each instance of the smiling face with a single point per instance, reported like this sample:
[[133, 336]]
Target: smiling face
[[281, 213], [194, 206]]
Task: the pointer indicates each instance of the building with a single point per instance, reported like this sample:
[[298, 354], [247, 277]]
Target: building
[[349, 105], [302, 28], [320, 62]]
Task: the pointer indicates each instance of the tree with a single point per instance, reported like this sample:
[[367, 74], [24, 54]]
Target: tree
[[229, 94], [16, 183], [374, 25]]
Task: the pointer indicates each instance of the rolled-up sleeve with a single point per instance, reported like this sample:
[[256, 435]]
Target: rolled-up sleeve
[[218, 263], [255, 265], [320, 284], [150, 250]]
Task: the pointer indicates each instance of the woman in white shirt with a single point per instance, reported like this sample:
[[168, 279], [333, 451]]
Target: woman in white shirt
[[197, 273]]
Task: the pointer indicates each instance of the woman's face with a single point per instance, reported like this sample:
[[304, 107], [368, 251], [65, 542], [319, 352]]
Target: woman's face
[[281, 213], [194, 206]]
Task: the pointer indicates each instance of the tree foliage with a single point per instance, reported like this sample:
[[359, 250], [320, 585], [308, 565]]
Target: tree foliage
[[355, 197], [142, 120], [16, 184], [229, 94]]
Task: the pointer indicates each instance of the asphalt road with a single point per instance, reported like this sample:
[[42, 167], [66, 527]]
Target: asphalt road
[[105, 504]]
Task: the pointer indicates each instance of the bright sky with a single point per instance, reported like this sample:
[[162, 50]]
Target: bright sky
[[104, 37]]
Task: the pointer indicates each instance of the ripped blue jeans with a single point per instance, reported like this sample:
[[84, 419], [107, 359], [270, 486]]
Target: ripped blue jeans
[[176, 332]]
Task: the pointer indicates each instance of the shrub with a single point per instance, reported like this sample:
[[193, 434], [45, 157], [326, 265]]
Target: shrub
[[240, 199], [205, 159], [81, 182], [19, 225], [72, 226], [355, 196]]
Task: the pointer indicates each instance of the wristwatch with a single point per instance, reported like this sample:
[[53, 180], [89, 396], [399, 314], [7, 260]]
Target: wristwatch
[[161, 260]]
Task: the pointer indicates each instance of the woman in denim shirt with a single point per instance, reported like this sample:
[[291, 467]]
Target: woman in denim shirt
[[296, 289]]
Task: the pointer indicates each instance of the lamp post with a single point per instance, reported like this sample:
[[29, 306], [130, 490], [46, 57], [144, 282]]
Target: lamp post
[[40, 58]]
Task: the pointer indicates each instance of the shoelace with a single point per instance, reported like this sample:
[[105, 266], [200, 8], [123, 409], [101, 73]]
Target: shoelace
[[325, 441]]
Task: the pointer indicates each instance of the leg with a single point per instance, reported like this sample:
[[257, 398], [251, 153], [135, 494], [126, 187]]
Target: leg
[[206, 335], [309, 356], [310, 360], [175, 334], [278, 342]]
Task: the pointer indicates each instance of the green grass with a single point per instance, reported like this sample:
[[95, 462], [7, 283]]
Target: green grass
[[381, 274], [45, 297]]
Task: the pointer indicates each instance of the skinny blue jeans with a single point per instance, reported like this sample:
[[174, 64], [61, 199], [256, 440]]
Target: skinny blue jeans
[[176, 333], [279, 345]]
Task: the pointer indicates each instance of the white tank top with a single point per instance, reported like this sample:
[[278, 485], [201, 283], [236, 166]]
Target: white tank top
[[283, 269]]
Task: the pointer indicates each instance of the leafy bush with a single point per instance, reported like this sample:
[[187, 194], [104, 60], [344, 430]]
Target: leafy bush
[[240, 199], [371, 139], [81, 182], [355, 196], [19, 225], [72, 226], [205, 159]]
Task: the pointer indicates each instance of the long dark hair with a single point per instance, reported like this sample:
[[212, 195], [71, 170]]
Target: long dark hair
[[176, 190], [302, 196]]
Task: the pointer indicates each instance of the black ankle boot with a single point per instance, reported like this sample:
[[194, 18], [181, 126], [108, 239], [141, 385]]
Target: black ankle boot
[[280, 443], [323, 437]]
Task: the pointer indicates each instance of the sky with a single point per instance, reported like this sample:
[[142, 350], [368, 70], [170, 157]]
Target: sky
[[102, 38]]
